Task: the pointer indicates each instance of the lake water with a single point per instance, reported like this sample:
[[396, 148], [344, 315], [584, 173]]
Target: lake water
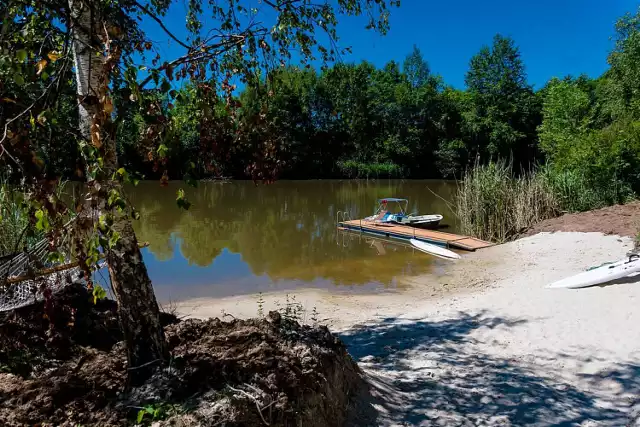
[[239, 238]]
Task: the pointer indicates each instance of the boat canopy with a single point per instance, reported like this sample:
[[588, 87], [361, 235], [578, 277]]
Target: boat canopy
[[403, 204]]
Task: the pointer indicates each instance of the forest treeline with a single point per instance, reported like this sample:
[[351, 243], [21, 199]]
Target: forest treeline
[[402, 120]]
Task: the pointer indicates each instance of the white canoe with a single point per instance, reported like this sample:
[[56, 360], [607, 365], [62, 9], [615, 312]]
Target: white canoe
[[600, 275], [434, 249]]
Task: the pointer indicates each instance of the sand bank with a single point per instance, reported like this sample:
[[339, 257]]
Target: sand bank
[[487, 344]]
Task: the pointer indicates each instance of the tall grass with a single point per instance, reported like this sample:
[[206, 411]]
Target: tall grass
[[492, 204]]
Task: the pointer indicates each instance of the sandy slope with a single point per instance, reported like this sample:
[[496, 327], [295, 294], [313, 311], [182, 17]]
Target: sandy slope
[[493, 347]]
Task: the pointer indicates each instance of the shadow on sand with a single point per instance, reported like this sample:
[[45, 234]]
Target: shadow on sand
[[432, 373]]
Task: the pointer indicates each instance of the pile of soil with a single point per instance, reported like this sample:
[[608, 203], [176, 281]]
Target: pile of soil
[[621, 220], [253, 372]]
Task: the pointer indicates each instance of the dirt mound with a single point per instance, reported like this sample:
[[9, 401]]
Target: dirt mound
[[622, 220], [245, 372]]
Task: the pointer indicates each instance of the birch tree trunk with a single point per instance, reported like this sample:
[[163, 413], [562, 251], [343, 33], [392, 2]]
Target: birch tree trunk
[[137, 306]]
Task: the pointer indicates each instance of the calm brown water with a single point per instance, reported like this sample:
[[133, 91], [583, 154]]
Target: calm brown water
[[239, 238]]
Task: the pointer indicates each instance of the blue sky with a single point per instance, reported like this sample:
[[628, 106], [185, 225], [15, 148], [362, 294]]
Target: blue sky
[[555, 37]]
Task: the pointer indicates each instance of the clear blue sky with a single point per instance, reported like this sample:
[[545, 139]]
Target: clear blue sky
[[555, 37]]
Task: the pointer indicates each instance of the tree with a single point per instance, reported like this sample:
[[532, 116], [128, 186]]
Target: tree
[[504, 113], [102, 43], [566, 116], [416, 68], [623, 78]]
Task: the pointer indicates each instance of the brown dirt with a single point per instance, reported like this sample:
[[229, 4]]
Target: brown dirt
[[243, 372], [621, 220]]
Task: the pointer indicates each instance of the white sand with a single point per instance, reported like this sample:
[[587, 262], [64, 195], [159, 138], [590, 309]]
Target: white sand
[[488, 344]]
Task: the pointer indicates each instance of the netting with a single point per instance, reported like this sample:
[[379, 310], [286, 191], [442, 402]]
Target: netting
[[28, 292]]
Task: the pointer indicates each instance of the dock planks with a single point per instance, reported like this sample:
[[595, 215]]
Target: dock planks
[[405, 232]]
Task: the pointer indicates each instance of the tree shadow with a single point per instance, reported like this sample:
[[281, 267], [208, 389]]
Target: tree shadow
[[432, 373]]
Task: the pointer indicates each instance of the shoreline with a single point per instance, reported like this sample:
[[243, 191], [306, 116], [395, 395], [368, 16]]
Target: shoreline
[[477, 272], [489, 330], [341, 309]]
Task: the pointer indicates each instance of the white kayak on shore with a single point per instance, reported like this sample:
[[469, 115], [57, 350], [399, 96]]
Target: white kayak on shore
[[434, 249], [603, 274]]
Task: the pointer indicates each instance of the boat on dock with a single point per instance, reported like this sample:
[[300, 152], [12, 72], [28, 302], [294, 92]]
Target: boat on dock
[[405, 232], [384, 215]]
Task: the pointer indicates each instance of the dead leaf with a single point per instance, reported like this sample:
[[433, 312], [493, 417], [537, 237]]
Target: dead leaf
[[108, 106], [96, 140], [53, 56], [40, 65]]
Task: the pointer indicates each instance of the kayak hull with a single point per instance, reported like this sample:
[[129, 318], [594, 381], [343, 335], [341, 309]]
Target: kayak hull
[[600, 275], [434, 249]]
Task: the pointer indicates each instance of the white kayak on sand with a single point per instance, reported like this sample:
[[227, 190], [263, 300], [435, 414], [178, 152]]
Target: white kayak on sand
[[434, 249], [599, 275]]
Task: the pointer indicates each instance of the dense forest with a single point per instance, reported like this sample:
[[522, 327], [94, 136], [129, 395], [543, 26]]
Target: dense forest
[[357, 121]]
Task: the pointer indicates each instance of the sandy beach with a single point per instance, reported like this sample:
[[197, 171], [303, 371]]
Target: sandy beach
[[487, 344]]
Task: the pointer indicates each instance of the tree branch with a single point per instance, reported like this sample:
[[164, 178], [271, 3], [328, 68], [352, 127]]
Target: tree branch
[[201, 54], [159, 22]]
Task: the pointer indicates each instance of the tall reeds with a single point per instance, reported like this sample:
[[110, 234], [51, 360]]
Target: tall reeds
[[493, 204]]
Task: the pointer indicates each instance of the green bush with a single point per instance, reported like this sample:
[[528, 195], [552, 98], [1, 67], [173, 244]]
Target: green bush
[[598, 169], [572, 190]]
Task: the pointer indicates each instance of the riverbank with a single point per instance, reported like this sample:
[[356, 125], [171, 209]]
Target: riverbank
[[487, 343]]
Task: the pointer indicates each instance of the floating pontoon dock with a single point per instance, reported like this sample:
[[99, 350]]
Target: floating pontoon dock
[[448, 240]]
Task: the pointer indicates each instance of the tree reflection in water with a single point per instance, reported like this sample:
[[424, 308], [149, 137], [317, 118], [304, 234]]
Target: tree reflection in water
[[281, 235]]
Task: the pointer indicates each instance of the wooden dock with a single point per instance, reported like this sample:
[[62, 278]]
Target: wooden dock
[[447, 240]]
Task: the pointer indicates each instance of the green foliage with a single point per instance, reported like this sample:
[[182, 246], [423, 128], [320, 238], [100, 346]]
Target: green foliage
[[598, 168], [504, 112], [292, 309], [19, 361], [623, 77], [182, 201], [16, 233], [416, 68], [157, 412], [98, 293], [567, 114]]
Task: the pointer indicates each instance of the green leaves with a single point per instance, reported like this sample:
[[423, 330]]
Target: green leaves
[[42, 221], [162, 150], [21, 55], [182, 201], [99, 293], [566, 116]]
